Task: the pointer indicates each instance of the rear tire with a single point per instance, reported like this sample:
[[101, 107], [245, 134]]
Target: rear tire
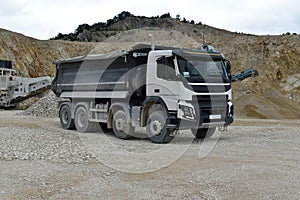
[[82, 123], [203, 132], [65, 116], [157, 128], [121, 127]]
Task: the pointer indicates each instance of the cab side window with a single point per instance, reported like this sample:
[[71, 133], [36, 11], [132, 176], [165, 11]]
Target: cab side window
[[166, 68]]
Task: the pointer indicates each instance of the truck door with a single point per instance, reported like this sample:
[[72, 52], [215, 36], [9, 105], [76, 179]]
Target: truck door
[[165, 84]]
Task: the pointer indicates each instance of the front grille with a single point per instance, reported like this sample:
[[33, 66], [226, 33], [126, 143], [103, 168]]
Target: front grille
[[211, 101], [210, 88], [207, 105]]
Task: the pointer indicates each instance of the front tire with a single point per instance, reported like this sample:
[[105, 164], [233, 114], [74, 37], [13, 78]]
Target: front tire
[[65, 116], [203, 132], [121, 127], [157, 128]]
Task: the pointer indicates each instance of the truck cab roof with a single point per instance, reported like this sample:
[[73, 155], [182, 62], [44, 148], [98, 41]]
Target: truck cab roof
[[205, 50]]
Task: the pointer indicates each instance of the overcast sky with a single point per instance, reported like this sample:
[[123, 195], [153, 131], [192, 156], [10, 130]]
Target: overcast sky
[[43, 19]]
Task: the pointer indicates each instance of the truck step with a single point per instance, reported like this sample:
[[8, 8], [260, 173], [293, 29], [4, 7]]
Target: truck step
[[172, 126], [98, 120], [98, 110]]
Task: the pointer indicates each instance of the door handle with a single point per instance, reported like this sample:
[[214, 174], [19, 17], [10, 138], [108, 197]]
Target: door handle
[[156, 90]]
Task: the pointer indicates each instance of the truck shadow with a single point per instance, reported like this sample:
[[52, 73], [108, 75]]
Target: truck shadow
[[140, 135]]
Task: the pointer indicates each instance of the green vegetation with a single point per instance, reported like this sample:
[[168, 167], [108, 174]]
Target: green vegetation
[[101, 30]]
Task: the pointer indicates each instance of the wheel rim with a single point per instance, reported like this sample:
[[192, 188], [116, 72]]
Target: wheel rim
[[156, 127], [65, 117], [81, 119], [120, 124]]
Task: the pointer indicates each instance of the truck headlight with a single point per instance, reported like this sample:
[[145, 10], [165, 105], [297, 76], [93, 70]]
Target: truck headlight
[[186, 111], [229, 93]]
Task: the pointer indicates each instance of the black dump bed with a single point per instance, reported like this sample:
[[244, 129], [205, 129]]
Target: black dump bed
[[102, 72], [5, 64]]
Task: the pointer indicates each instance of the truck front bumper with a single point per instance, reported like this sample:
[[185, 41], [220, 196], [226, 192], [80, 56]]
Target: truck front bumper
[[188, 117]]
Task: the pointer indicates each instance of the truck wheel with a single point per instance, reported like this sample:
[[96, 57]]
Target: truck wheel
[[82, 123], [203, 132], [122, 129], [156, 128], [65, 117]]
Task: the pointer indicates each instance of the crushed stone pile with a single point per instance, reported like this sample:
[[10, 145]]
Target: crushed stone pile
[[45, 107]]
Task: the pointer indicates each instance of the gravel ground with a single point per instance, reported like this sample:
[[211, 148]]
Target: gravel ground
[[255, 159]]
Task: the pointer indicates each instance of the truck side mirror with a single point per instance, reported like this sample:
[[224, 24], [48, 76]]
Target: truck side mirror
[[228, 66]]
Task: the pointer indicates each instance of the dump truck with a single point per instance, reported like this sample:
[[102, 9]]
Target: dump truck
[[14, 89], [162, 89]]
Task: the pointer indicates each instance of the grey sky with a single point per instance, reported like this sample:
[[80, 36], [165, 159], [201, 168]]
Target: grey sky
[[44, 19]]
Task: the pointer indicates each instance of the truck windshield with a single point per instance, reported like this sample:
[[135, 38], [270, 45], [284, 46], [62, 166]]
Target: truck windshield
[[200, 70]]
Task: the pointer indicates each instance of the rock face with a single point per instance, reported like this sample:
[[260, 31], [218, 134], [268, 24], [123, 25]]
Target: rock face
[[33, 57], [277, 86], [275, 93]]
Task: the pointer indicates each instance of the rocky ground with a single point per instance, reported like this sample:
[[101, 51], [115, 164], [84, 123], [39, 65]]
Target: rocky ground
[[44, 107], [255, 159]]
